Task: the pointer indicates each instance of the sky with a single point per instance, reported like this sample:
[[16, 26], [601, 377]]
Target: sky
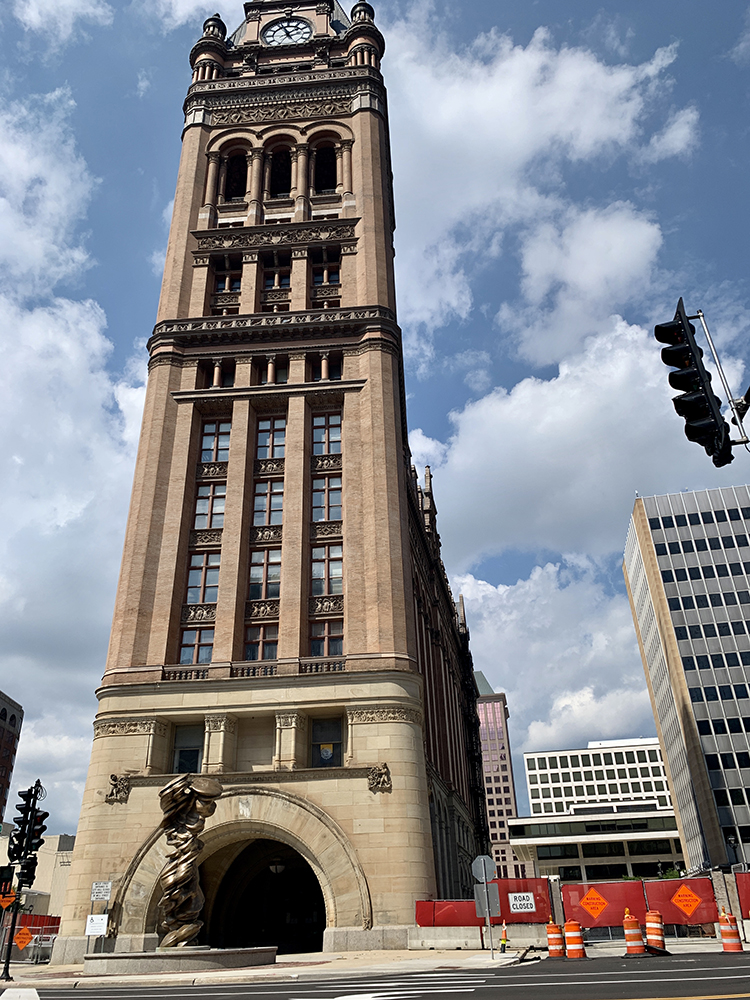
[[563, 173]]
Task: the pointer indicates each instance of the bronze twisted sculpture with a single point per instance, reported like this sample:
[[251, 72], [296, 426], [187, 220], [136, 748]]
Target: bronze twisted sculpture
[[186, 802]]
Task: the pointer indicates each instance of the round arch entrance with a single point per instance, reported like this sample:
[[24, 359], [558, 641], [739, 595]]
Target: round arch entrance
[[268, 895]]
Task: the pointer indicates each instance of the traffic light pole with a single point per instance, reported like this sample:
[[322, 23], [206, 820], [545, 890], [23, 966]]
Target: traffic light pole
[[5, 976], [737, 419]]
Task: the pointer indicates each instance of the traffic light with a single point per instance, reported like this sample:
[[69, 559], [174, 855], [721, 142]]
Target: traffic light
[[6, 879], [697, 403], [19, 836], [36, 830], [27, 871]]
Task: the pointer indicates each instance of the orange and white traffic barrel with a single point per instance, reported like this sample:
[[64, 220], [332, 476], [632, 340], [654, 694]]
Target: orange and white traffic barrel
[[655, 930], [633, 935], [730, 935], [574, 940], [555, 942]]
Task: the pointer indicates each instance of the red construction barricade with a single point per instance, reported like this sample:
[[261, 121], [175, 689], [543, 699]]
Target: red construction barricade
[[683, 900], [743, 890], [524, 900], [603, 904]]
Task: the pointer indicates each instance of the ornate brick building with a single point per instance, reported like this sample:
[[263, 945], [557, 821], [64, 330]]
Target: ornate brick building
[[283, 619]]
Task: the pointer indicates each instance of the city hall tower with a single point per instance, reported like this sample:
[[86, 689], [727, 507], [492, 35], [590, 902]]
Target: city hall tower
[[283, 620]]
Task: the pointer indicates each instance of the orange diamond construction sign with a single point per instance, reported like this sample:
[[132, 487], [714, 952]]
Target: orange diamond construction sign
[[686, 900], [594, 903], [23, 937]]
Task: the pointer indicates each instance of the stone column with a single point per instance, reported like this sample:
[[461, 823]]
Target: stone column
[[294, 555], [339, 169], [291, 729], [199, 290], [249, 283], [267, 176], [348, 201], [222, 181], [156, 748], [271, 369], [219, 746], [311, 174], [253, 197], [324, 366], [302, 201], [207, 214], [299, 280], [217, 373]]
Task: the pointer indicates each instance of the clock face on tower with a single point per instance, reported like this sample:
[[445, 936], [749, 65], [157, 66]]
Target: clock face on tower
[[288, 31]]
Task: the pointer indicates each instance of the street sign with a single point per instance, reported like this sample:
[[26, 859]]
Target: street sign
[[23, 938], [96, 924], [484, 868], [7, 899], [101, 891], [487, 894], [521, 902]]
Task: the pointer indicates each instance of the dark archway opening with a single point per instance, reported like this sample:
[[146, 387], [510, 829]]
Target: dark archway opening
[[281, 173], [325, 170], [269, 896]]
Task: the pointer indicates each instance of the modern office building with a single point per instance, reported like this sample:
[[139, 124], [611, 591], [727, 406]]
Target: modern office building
[[283, 620], [11, 717], [626, 771], [687, 570], [497, 764]]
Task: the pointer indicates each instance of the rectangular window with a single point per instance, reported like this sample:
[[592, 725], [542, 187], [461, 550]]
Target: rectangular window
[[701, 545], [203, 578], [696, 694], [728, 762], [743, 758], [209, 506], [327, 638], [725, 691], [197, 645], [667, 521], [271, 438], [327, 570], [327, 434], [654, 523], [704, 727], [740, 691], [741, 541], [711, 693], [261, 642], [687, 547], [661, 549], [716, 601], [265, 574], [714, 543], [694, 518], [326, 743], [269, 502], [188, 749], [695, 572], [215, 441], [326, 499]]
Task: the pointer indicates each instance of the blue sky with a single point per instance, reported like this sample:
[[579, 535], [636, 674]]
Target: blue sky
[[563, 173]]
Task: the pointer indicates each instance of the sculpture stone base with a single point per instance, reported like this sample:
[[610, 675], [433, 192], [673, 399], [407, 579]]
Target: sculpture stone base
[[199, 959]]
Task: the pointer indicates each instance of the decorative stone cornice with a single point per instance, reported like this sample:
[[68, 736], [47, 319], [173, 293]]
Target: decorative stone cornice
[[293, 234], [262, 609], [211, 470], [326, 529], [291, 720], [393, 713], [220, 724], [326, 463], [333, 605], [244, 781], [269, 467], [198, 614], [205, 536], [266, 533], [129, 727]]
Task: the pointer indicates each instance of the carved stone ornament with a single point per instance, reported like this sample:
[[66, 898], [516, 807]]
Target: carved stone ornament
[[282, 112], [129, 727], [326, 463], [205, 536], [262, 609], [226, 298], [291, 720], [221, 324], [394, 714], [276, 295], [220, 724], [270, 236], [266, 533], [186, 802], [212, 470], [119, 789], [379, 778], [326, 529], [269, 467], [198, 613], [327, 605]]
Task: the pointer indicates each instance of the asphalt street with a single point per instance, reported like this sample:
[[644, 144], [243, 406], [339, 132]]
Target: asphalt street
[[708, 977]]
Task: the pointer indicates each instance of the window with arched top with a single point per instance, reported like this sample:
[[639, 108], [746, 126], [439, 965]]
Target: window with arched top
[[236, 182], [281, 174], [3, 714], [325, 170], [12, 721]]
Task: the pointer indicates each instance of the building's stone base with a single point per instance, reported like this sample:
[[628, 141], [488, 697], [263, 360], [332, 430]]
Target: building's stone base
[[393, 938], [71, 950], [475, 938], [176, 960]]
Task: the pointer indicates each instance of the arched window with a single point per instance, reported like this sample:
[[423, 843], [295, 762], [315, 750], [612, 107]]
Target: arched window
[[236, 183], [281, 173], [325, 170], [12, 722], [3, 714]]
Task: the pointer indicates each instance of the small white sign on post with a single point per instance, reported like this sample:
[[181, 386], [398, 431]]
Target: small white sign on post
[[101, 891], [96, 924], [521, 902]]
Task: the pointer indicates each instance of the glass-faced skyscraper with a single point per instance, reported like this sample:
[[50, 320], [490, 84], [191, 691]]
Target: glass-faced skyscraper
[[283, 620], [687, 569]]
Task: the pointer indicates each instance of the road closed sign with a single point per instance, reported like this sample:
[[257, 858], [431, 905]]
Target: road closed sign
[[521, 902]]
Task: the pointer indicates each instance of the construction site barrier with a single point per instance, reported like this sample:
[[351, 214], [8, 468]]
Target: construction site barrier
[[633, 935], [730, 935], [574, 940], [555, 944]]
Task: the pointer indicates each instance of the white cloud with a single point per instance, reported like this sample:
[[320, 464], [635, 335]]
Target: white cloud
[[173, 13], [56, 20], [740, 53], [144, 82], [66, 454], [675, 139]]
